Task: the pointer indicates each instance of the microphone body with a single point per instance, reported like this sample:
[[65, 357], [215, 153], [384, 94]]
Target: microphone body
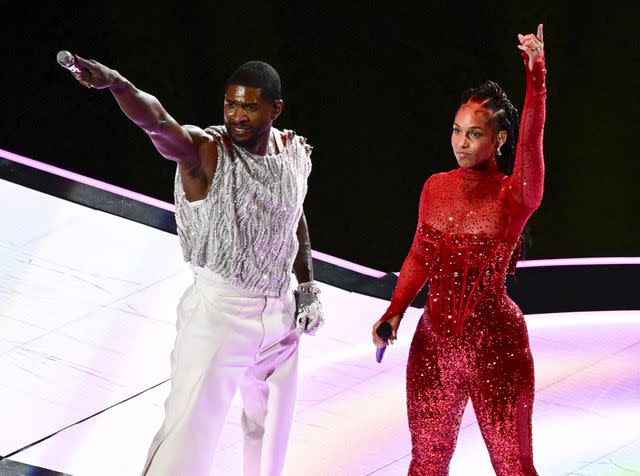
[[384, 331], [67, 60]]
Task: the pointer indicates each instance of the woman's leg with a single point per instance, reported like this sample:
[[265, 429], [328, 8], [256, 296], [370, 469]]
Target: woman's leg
[[436, 397], [502, 392]]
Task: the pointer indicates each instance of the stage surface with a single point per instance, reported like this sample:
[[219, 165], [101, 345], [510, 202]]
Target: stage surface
[[87, 314]]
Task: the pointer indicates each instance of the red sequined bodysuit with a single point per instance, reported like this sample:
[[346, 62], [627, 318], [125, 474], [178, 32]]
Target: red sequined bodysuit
[[472, 340]]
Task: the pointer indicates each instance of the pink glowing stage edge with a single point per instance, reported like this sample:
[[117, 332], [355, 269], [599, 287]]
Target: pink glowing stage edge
[[536, 263]]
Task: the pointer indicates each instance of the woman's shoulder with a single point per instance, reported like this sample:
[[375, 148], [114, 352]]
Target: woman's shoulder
[[439, 178]]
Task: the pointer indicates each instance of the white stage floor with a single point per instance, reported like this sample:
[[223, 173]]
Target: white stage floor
[[87, 309]]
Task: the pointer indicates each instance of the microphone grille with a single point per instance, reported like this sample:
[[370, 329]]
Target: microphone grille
[[384, 330], [65, 59]]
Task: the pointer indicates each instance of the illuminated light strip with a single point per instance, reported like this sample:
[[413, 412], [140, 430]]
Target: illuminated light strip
[[537, 263], [358, 268], [541, 263], [583, 318], [158, 203], [86, 180], [316, 254]]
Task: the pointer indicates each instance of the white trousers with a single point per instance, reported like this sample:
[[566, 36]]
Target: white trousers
[[228, 338]]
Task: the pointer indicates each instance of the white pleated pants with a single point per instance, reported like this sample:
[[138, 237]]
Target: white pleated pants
[[228, 339]]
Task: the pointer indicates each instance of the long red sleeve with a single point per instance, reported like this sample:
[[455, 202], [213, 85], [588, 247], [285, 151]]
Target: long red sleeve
[[416, 266], [527, 181]]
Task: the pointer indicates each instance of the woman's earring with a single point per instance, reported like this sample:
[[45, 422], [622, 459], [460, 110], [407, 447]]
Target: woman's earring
[[498, 153]]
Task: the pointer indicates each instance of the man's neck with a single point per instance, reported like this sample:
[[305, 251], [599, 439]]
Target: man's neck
[[262, 145]]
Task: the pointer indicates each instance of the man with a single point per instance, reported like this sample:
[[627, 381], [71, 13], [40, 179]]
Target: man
[[239, 194]]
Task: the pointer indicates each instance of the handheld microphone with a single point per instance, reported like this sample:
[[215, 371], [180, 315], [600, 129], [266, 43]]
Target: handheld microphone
[[384, 331], [67, 60]]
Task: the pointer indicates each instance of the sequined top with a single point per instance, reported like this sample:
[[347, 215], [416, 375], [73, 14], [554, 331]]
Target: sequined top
[[245, 228], [469, 225]]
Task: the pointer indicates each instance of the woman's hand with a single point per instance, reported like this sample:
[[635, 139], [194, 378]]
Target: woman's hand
[[394, 322], [533, 46]]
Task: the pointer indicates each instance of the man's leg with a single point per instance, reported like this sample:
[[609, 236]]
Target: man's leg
[[219, 332], [268, 390]]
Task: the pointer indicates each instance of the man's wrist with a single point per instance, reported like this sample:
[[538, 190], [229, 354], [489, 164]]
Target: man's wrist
[[117, 82], [309, 287]]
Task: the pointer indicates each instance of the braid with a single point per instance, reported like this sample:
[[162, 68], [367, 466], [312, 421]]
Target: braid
[[504, 116]]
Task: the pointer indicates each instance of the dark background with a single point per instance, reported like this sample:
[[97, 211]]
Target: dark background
[[373, 87]]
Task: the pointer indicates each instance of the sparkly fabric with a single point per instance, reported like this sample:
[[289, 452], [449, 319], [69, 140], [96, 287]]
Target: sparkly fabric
[[472, 340], [491, 364], [245, 228]]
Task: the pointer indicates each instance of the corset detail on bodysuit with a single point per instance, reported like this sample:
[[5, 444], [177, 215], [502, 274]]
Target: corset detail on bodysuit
[[466, 271]]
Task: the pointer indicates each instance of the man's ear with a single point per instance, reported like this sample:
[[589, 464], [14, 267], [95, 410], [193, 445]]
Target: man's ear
[[277, 109]]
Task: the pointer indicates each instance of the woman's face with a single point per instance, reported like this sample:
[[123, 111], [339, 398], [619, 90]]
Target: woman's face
[[474, 139]]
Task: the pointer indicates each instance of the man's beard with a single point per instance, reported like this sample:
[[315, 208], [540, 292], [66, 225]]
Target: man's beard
[[248, 142]]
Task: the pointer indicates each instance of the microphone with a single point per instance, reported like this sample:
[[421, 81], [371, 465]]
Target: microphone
[[384, 331], [67, 60]]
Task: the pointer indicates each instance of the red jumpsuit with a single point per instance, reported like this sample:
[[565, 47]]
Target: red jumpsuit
[[472, 339]]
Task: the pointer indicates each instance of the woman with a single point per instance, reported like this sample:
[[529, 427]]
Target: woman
[[472, 339]]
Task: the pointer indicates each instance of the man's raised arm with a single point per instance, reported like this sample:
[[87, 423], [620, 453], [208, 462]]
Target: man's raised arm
[[171, 139]]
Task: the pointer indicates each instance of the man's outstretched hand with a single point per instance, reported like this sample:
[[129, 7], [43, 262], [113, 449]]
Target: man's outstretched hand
[[92, 74]]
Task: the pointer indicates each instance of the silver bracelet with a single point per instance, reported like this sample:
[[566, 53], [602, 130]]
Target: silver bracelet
[[309, 287]]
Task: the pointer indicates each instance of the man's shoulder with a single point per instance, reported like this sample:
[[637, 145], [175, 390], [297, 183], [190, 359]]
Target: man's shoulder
[[291, 139], [216, 131], [218, 136], [205, 134]]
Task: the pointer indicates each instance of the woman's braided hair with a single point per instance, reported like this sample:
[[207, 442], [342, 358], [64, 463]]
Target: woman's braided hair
[[503, 115]]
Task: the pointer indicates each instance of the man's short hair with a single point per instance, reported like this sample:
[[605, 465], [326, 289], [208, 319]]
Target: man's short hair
[[258, 74]]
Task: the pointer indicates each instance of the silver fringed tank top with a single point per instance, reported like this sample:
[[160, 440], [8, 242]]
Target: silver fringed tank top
[[245, 228]]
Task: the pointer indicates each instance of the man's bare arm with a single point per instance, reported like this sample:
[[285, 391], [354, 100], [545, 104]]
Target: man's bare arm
[[171, 139], [303, 264], [309, 315]]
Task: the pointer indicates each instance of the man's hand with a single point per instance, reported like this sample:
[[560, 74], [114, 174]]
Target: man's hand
[[309, 315], [92, 74]]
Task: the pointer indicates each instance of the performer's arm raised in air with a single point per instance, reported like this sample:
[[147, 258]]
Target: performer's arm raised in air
[[187, 145], [527, 180]]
